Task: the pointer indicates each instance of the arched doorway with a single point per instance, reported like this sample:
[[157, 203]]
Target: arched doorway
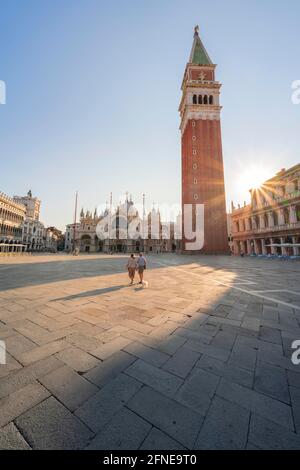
[[86, 243]]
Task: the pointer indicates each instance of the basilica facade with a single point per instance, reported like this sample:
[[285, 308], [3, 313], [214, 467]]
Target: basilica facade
[[86, 235]]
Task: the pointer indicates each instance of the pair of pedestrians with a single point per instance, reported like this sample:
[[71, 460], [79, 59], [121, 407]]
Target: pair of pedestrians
[[136, 264]]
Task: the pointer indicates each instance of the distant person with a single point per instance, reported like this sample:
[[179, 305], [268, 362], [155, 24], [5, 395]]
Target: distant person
[[242, 254], [131, 267], [141, 266]]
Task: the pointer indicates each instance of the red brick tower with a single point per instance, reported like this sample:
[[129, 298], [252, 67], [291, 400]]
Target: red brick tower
[[202, 161]]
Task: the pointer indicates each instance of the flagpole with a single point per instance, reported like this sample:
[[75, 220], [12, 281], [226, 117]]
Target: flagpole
[[75, 221]]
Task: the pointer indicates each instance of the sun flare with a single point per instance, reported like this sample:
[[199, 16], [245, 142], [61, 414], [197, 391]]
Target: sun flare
[[253, 177]]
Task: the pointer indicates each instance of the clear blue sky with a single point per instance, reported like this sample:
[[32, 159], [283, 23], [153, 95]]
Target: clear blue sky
[[93, 89]]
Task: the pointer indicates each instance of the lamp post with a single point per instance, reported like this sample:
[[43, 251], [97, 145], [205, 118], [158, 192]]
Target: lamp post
[[75, 221]]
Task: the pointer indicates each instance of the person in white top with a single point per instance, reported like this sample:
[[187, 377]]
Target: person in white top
[[131, 267], [141, 266]]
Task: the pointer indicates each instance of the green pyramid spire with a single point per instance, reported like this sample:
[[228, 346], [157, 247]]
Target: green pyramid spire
[[199, 54]]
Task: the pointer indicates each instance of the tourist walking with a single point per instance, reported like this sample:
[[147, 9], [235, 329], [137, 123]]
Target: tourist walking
[[131, 267], [141, 266]]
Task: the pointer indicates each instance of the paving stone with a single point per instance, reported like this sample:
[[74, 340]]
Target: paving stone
[[10, 366], [108, 349], [225, 427], [84, 342], [77, 359], [243, 356], [171, 344], [176, 420], [224, 340], [295, 398], [256, 343], [18, 344], [99, 409], [277, 360], [267, 435], [62, 333], [288, 319], [134, 325], [12, 439], [271, 381], [154, 377], [126, 431], [293, 378], [230, 372], [28, 329], [26, 375], [256, 402], [69, 387], [270, 334], [20, 401], [81, 302], [158, 440], [181, 362], [50, 425], [198, 390], [251, 323], [153, 356], [209, 350], [41, 352], [250, 446], [110, 368], [270, 313], [193, 334]]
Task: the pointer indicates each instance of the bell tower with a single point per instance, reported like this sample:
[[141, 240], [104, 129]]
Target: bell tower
[[201, 148]]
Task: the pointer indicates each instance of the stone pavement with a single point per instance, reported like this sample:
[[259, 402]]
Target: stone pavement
[[199, 360]]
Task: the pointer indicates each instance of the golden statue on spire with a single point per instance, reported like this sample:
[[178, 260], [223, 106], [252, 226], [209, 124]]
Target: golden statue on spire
[[196, 30]]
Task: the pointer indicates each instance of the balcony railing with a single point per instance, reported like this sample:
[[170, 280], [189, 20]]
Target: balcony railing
[[275, 228]]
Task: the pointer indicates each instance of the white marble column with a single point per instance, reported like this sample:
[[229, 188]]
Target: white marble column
[[295, 248], [283, 249], [263, 246], [273, 248]]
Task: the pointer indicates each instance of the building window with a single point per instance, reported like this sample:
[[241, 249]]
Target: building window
[[205, 99], [195, 197], [194, 137], [195, 181], [195, 166], [193, 123], [194, 99], [200, 99], [211, 99], [194, 152]]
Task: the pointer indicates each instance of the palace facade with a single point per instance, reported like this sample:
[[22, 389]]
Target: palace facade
[[33, 228], [12, 216], [270, 224]]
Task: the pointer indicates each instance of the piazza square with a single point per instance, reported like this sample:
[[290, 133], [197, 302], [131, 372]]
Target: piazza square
[[201, 359]]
